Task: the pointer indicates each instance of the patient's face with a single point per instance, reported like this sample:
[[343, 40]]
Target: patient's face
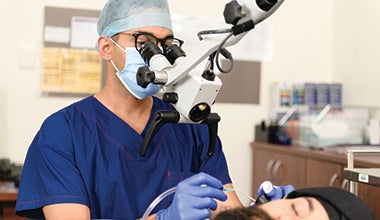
[[298, 208]]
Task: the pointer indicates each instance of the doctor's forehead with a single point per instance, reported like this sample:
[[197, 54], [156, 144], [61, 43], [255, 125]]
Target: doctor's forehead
[[157, 31]]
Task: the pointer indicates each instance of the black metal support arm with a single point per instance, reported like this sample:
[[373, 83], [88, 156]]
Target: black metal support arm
[[162, 117], [212, 121]]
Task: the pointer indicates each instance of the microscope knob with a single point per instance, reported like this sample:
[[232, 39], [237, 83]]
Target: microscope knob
[[144, 76]]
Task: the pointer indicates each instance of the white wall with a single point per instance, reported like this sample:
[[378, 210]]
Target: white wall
[[303, 51], [23, 107], [357, 52]]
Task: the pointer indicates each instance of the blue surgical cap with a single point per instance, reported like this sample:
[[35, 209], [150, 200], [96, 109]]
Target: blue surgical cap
[[123, 15]]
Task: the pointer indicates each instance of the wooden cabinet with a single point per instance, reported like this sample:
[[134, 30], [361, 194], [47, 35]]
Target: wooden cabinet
[[277, 167], [8, 198], [320, 173], [7, 211], [304, 167], [370, 195]]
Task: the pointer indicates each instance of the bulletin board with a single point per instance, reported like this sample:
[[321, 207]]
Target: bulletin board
[[70, 62], [242, 84]]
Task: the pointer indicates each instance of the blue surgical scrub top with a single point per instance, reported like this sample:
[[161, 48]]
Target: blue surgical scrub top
[[85, 154]]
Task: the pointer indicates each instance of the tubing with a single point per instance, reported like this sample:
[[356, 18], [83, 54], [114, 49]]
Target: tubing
[[156, 201]]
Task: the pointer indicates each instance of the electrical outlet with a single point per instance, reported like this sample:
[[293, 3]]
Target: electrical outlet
[[27, 56]]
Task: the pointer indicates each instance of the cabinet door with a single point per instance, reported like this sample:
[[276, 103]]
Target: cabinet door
[[263, 162], [280, 169], [324, 174], [289, 170]]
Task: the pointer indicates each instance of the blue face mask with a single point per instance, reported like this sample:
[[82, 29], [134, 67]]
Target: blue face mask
[[128, 75]]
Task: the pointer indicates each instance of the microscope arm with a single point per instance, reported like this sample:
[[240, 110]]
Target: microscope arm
[[194, 94]]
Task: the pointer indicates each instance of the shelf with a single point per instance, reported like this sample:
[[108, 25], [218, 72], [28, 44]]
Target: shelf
[[369, 176]]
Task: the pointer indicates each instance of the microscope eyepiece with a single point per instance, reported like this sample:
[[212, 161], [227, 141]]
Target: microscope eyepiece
[[172, 52], [266, 5], [148, 50]]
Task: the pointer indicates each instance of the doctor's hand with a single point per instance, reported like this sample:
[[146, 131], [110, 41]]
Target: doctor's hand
[[193, 199], [273, 192]]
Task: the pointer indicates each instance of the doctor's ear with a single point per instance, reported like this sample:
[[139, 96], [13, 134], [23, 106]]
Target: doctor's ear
[[105, 47]]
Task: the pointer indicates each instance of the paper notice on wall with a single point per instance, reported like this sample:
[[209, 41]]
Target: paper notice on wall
[[66, 70], [56, 34], [83, 32], [256, 45]]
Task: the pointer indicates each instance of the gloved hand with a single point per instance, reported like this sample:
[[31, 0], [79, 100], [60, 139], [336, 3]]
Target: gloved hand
[[193, 198], [273, 192]]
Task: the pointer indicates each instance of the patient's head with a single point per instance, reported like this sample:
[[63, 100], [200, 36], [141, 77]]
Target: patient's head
[[322, 203], [297, 208]]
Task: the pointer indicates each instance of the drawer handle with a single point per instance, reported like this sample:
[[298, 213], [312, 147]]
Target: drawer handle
[[333, 179], [268, 169], [276, 167], [344, 184]]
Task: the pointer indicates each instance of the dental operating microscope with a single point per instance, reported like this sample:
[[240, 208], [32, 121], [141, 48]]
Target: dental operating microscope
[[191, 91]]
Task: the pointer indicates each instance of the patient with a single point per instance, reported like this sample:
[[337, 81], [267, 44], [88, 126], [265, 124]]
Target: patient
[[320, 203]]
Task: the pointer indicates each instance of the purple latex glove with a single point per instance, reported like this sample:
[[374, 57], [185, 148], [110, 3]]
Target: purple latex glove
[[273, 192], [193, 199]]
